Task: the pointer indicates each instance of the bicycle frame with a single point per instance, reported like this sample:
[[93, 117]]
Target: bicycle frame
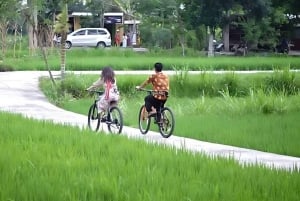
[[163, 117], [112, 116]]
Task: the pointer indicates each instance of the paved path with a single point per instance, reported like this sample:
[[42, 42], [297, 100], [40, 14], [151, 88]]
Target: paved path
[[19, 93]]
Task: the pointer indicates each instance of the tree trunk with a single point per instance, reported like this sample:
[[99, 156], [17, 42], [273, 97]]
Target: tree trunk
[[15, 28], [32, 26], [63, 43], [210, 43], [3, 31], [226, 37]]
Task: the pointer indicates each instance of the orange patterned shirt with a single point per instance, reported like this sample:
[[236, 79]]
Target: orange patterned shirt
[[160, 82]]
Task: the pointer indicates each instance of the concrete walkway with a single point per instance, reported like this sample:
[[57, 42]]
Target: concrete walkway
[[19, 93]]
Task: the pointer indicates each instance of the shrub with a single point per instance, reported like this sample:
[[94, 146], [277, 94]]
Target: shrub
[[5, 67], [281, 81]]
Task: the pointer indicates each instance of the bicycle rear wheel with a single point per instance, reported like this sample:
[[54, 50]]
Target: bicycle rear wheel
[[93, 118], [115, 120], [144, 121], [167, 122]]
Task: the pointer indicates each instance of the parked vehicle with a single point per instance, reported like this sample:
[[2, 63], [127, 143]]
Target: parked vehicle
[[218, 46], [89, 37], [283, 47]]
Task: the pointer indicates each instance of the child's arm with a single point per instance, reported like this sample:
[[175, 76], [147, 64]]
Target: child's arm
[[96, 84]]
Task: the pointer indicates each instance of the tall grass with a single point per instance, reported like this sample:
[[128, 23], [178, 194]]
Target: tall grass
[[43, 161], [119, 59], [232, 122], [257, 118]]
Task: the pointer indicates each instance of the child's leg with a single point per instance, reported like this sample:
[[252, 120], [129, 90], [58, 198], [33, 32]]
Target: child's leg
[[102, 105]]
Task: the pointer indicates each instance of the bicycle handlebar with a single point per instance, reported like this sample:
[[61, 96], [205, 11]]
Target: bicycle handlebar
[[150, 91], [96, 91]]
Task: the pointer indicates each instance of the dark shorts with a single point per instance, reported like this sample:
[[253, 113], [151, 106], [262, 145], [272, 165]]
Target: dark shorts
[[151, 101]]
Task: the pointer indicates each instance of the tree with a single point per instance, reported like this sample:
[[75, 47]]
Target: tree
[[7, 15], [261, 23], [290, 9], [204, 12], [62, 27], [32, 23]]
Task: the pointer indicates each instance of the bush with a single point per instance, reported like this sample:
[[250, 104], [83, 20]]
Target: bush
[[282, 82], [4, 68]]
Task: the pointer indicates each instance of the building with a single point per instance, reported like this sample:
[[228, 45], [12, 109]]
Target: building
[[113, 22]]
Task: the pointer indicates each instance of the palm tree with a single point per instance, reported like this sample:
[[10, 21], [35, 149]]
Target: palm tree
[[62, 27]]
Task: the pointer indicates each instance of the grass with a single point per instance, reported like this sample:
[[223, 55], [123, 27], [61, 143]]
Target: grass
[[93, 59], [260, 120], [43, 161], [276, 133]]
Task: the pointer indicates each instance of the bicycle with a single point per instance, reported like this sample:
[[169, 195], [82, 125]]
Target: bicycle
[[163, 117], [112, 116]]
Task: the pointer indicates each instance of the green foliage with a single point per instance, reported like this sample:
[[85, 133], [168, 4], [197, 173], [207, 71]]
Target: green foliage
[[199, 98], [119, 59], [229, 83], [163, 38], [73, 86], [54, 162], [61, 24], [282, 82], [4, 68], [185, 84], [196, 39]]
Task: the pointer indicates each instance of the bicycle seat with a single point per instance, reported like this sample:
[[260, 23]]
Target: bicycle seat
[[113, 102]]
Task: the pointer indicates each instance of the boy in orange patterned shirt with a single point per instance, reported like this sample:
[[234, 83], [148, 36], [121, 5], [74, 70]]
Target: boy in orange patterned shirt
[[160, 83]]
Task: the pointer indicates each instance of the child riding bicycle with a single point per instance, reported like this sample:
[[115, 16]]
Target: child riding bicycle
[[108, 81], [160, 83]]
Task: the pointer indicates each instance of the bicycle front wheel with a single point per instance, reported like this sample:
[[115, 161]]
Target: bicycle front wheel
[[144, 120], [115, 120], [93, 118], [167, 122]]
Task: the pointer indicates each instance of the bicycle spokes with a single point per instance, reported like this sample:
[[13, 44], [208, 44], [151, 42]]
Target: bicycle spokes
[[93, 118], [115, 120], [166, 124]]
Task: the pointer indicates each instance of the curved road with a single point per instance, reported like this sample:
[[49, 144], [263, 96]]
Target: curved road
[[19, 93]]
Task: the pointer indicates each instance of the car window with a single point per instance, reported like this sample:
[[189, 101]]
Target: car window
[[102, 32], [80, 33], [92, 32]]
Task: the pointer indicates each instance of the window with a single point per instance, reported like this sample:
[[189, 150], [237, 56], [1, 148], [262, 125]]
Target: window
[[92, 32], [80, 33], [102, 32]]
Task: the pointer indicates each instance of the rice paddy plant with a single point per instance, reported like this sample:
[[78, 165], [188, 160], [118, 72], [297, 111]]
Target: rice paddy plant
[[94, 59], [222, 119], [281, 81], [44, 161], [269, 103], [181, 75]]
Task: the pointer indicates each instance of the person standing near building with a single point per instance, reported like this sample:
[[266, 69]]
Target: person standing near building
[[124, 41], [117, 38], [128, 39]]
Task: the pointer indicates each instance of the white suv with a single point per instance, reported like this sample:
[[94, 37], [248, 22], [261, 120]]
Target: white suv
[[92, 37]]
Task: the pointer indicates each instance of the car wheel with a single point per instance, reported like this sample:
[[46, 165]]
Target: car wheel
[[101, 45], [68, 45]]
